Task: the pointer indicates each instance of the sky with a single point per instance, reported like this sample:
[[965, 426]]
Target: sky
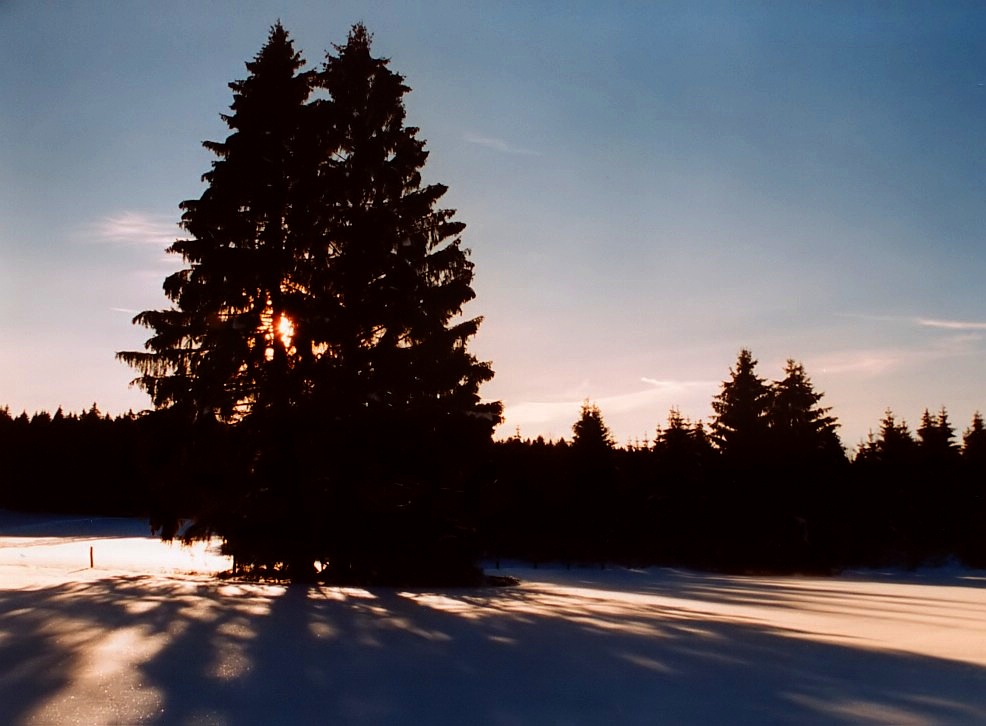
[[647, 188]]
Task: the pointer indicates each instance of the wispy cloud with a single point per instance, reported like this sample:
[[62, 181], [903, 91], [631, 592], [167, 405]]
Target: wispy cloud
[[867, 362], [919, 321], [877, 361], [950, 324], [504, 147], [670, 385], [136, 228]]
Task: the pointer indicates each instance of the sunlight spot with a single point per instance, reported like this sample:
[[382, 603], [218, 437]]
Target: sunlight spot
[[861, 712], [139, 607], [121, 649], [703, 632], [341, 594], [645, 662], [236, 630], [407, 625], [112, 663], [322, 630], [447, 604], [230, 663]]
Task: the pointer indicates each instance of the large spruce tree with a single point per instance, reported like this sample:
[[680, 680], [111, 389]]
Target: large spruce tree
[[213, 353], [318, 319]]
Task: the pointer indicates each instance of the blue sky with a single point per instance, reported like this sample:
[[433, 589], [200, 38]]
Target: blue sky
[[648, 187]]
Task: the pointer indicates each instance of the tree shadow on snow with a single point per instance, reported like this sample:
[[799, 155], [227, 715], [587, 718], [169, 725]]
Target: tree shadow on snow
[[199, 651]]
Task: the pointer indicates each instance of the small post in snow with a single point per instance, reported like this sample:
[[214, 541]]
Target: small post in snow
[[92, 564]]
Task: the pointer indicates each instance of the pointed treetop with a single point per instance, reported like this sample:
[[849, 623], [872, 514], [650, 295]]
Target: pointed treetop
[[359, 36], [590, 431], [359, 40]]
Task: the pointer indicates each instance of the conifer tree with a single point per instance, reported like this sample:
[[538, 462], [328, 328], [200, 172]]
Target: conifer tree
[[682, 447], [800, 429], [972, 502], [937, 508], [936, 437], [974, 441], [318, 318], [214, 353], [740, 424], [385, 308], [895, 446], [592, 500], [590, 432]]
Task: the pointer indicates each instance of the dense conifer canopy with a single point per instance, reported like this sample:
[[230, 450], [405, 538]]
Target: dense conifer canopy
[[319, 313]]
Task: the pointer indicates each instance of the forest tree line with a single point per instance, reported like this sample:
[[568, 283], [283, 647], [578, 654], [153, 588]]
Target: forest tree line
[[765, 486]]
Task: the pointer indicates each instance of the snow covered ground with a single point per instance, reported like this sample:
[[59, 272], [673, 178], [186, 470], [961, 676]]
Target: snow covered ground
[[146, 635]]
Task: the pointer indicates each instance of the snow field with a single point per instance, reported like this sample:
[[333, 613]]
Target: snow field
[[149, 636]]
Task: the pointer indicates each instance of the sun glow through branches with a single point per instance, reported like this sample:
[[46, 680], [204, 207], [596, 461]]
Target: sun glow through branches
[[285, 331]]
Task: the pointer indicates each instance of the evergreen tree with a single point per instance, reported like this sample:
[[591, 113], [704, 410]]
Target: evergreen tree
[[593, 500], [220, 351], [318, 318], [974, 441], [938, 508], [937, 439], [678, 499], [808, 494], [590, 433], [800, 429], [889, 469], [386, 309], [972, 501], [740, 424], [895, 447], [682, 448]]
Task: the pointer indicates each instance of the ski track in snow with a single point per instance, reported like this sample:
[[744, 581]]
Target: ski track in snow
[[148, 635]]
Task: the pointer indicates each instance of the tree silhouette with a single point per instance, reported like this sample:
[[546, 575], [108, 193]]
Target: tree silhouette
[[594, 496], [739, 427], [318, 319], [888, 467], [682, 446], [972, 500], [676, 502], [974, 440], [938, 508], [936, 437], [219, 351], [807, 471], [895, 447], [590, 434], [800, 429], [740, 520]]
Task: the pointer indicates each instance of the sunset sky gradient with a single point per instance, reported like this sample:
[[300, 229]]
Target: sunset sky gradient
[[648, 187]]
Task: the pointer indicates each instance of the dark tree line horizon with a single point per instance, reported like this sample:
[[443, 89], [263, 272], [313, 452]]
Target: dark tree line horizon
[[318, 409], [765, 487]]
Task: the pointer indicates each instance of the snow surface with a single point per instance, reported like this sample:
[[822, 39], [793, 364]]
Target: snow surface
[[149, 636]]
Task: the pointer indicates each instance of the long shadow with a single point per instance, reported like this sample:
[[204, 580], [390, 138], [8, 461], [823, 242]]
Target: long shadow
[[207, 652]]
